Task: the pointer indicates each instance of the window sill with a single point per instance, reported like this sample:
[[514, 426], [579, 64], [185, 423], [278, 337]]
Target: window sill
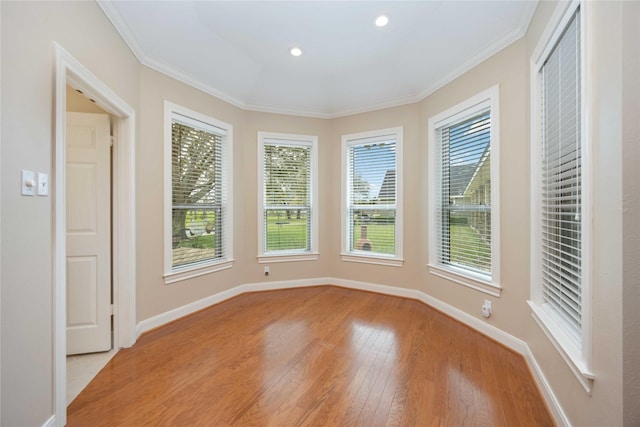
[[288, 257], [466, 279], [566, 346], [372, 259], [198, 270]]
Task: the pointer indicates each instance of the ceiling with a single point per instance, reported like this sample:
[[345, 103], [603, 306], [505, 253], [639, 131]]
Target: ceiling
[[239, 50]]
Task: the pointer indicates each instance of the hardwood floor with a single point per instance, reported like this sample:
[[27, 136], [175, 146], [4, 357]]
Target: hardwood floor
[[321, 356]]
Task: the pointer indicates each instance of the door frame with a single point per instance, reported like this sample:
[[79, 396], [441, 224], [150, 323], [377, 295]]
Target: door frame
[[70, 71]]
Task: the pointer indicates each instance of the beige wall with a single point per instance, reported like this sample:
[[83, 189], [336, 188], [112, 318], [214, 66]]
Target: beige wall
[[153, 296], [28, 30], [256, 121], [508, 70], [604, 406], [631, 210], [408, 276]]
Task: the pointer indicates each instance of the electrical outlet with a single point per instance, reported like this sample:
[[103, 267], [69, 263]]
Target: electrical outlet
[[486, 308], [266, 271]]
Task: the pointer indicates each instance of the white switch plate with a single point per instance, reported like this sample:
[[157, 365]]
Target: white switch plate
[[28, 183], [43, 184]]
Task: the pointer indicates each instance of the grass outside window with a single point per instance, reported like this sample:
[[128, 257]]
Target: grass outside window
[[287, 230], [468, 249]]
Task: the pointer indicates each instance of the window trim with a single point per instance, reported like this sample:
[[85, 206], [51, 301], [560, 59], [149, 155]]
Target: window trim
[[377, 259], [487, 99], [289, 256], [171, 274], [577, 356]]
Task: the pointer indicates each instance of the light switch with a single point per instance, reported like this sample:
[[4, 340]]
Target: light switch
[[28, 183], [43, 184]]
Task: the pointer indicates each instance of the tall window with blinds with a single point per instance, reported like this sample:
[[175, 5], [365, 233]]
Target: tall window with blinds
[[561, 179], [372, 194], [197, 194], [561, 192], [464, 210], [196, 176], [287, 208], [464, 220]]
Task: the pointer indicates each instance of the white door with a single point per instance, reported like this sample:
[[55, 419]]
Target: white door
[[88, 233]]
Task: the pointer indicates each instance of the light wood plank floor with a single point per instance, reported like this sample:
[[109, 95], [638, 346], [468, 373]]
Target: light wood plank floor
[[321, 356]]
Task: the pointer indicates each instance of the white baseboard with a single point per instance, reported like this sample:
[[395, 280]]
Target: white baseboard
[[483, 327], [496, 334], [508, 340], [372, 287], [171, 315], [51, 422], [547, 392], [185, 310]]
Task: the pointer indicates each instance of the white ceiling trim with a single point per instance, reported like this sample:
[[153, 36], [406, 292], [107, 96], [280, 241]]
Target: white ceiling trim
[[130, 40], [342, 113], [163, 68], [485, 54], [125, 32], [127, 35]]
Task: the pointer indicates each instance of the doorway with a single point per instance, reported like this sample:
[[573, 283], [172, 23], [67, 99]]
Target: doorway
[[89, 288], [70, 72]]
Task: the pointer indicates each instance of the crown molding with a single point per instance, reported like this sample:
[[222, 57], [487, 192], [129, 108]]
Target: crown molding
[[112, 13], [485, 54]]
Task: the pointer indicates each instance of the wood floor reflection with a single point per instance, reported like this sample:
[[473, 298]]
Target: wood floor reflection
[[320, 356]]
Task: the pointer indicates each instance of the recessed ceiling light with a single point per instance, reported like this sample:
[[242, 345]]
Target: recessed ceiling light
[[295, 51], [382, 20]]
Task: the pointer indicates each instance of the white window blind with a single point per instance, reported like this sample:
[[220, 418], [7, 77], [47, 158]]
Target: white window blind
[[197, 190], [287, 196], [561, 178], [463, 216], [371, 196]]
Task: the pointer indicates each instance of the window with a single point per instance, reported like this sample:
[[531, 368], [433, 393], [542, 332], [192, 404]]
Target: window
[[558, 215], [372, 207], [464, 224], [198, 214], [287, 201]]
